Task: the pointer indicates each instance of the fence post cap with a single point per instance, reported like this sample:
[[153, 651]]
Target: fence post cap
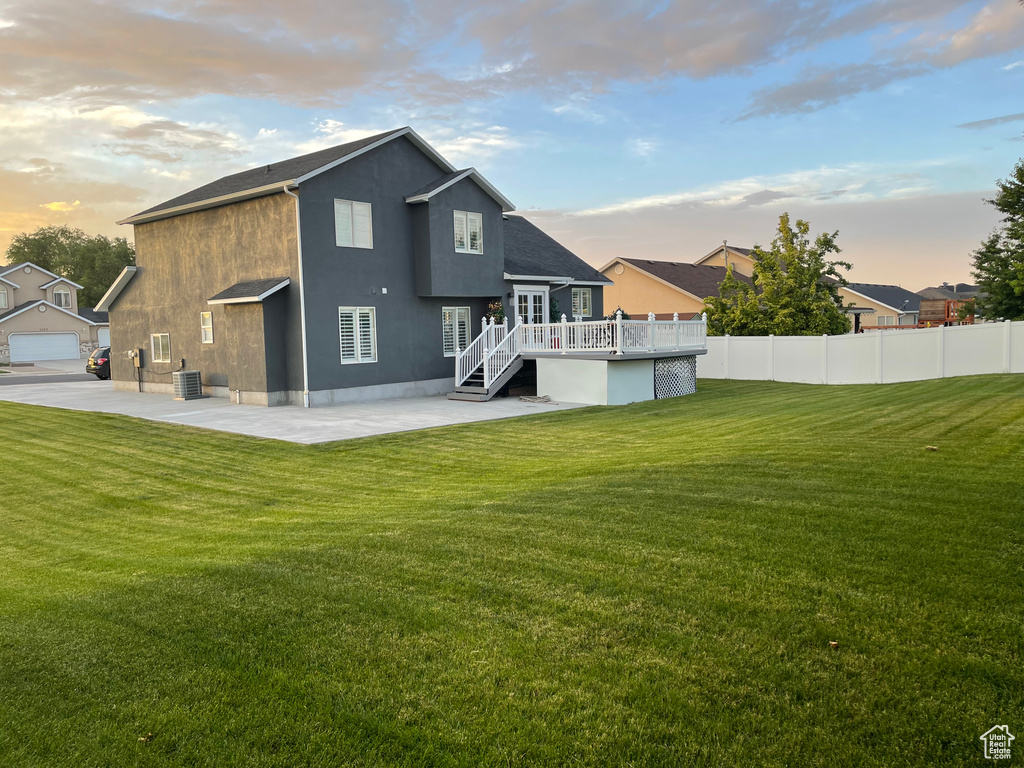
[[618, 313], [564, 319], [675, 316], [650, 317]]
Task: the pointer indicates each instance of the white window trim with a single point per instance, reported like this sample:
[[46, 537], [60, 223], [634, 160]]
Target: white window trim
[[203, 327], [589, 302], [63, 290], [3, 297], [545, 289], [356, 311], [152, 347], [455, 330], [340, 204], [468, 216]]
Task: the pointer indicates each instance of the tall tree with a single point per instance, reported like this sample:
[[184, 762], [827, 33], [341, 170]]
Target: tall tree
[[92, 262], [795, 289], [999, 262]]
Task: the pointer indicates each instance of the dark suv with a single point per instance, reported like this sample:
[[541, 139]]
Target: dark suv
[[99, 363]]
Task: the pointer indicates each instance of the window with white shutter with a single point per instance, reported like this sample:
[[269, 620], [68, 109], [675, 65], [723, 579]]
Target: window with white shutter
[[581, 302], [469, 232], [357, 333], [353, 224], [455, 325]]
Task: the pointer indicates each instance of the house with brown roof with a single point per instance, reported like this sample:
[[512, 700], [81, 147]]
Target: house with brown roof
[[642, 286]]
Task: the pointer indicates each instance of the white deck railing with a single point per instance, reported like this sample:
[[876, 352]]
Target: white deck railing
[[496, 348]]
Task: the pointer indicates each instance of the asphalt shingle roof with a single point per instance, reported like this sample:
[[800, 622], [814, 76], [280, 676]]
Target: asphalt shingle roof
[[890, 295], [701, 280], [250, 289], [282, 171], [18, 308], [93, 316], [531, 251], [437, 183]]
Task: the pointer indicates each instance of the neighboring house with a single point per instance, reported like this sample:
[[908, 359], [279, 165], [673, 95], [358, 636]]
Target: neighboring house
[[665, 288], [40, 318], [892, 304], [352, 273], [727, 255], [951, 292]]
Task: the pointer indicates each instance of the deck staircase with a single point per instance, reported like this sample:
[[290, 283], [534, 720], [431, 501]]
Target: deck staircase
[[474, 388], [484, 367]]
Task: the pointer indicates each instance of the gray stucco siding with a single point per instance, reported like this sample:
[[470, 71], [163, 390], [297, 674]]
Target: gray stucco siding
[[408, 327], [563, 295], [453, 273]]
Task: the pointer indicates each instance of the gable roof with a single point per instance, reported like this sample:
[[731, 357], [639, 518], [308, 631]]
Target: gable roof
[[61, 280], [115, 288], [450, 179], [698, 280], [271, 178], [532, 253], [29, 304], [899, 299], [249, 292], [731, 248], [22, 265]]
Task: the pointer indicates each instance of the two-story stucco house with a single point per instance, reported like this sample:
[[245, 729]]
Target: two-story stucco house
[[352, 273], [40, 318]]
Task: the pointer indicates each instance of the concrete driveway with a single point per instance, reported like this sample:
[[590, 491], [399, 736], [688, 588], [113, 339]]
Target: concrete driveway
[[290, 423]]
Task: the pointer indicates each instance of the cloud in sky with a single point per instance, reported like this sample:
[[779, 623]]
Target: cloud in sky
[[597, 103], [979, 124], [994, 29]]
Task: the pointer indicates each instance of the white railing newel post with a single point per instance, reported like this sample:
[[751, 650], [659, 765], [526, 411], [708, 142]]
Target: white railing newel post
[[650, 331], [487, 369], [564, 334], [675, 323], [618, 331]]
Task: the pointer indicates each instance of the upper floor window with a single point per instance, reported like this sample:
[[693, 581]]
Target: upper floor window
[[206, 326], [886, 320], [581, 302], [357, 330], [469, 232], [160, 347], [62, 296], [3, 297], [353, 224]]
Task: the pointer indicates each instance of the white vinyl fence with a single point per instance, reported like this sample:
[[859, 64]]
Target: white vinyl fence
[[881, 357]]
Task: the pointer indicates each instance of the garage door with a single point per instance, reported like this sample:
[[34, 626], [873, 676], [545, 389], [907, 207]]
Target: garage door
[[29, 347], [104, 336]]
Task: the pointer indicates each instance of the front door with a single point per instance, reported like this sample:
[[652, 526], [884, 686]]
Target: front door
[[532, 306]]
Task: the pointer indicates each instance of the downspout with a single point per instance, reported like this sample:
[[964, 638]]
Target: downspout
[[302, 300]]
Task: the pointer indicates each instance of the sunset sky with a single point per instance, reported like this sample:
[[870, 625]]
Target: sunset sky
[[639, 129]]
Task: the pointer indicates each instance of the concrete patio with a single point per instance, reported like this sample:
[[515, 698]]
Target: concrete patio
[[290, 423]]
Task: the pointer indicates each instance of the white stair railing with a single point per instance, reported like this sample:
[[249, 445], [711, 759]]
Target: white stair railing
[[497, 347]]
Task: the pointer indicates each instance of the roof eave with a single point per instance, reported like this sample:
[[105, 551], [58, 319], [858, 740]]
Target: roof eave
[[48, 304], [506, 204], [115, 289], [556, 278], [213, 202], [254, 299], [63, 280]]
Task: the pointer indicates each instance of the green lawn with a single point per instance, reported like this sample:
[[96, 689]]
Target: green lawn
[[649, 585]]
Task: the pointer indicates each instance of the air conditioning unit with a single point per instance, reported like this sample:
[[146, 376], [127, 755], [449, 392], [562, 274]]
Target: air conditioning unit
[[188, 385]]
